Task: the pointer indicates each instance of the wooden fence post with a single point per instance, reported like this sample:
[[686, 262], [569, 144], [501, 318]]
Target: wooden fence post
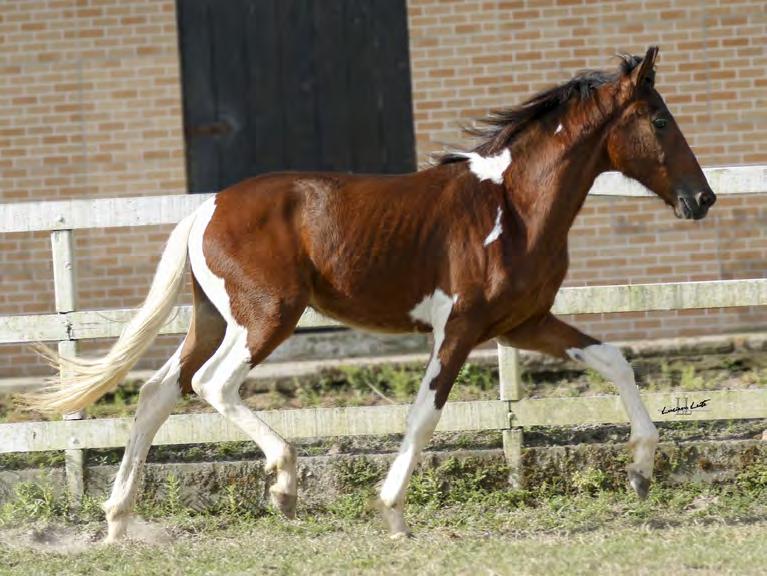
[[510, 378], [65, 291]]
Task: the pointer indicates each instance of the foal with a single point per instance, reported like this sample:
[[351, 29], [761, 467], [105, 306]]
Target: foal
[[471, 249]]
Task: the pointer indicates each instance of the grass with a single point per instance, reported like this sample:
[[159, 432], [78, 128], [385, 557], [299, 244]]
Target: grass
[[466, 520], [697, 530], [272, 547]]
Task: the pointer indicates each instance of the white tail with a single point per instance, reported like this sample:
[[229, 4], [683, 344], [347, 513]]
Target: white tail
[[85, 379]]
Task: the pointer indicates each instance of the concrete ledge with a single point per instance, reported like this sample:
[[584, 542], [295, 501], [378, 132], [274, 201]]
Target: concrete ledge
[[323, 479]]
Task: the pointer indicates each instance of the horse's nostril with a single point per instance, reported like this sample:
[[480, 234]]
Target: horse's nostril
[[705, 199]]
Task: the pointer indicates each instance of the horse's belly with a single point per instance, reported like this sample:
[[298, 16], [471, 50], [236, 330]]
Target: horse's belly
[[377, 315]]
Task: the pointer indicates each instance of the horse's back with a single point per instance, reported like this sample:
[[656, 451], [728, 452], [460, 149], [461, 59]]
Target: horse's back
[[354, 242]]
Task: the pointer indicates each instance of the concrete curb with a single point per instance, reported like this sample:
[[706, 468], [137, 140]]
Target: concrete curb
[[205, 485]]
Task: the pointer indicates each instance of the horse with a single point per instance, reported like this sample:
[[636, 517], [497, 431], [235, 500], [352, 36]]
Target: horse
[[471, 248]]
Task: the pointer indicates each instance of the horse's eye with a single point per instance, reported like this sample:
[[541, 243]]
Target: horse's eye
[[659, 122]]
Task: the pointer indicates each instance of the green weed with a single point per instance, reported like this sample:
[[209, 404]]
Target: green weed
[[173, 505], [590, 481], [688, 380], [426, 489], [33, 501], [598, 383], [753, 478]]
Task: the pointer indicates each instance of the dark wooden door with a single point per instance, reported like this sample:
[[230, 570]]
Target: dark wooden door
[[294, 85]]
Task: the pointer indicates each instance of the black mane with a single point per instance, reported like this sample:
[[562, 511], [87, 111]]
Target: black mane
[[502, 126]]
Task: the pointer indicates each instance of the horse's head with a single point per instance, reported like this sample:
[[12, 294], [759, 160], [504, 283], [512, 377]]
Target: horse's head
[[645, 143]]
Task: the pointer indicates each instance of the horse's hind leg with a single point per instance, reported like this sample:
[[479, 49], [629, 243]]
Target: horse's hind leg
[[261, 294], [156, 400], [218, 382]]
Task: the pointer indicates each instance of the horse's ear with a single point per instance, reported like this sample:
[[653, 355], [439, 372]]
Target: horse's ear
[[645, 70]]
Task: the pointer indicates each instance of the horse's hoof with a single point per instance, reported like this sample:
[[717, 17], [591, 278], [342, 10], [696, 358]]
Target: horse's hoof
[[117, 530], [395, 522], [285, 503], [110, 539], [639, 483]]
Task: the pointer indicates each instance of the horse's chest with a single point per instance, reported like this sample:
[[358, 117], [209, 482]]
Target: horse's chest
[[530, 290]]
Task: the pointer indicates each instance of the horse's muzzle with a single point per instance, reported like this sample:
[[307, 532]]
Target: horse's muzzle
[[694, 206]]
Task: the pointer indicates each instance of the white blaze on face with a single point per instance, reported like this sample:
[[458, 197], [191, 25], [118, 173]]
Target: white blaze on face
[[489, 167], [495, 233], [433, 310]]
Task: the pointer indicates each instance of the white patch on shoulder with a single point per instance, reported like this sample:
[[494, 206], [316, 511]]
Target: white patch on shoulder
[[495, 233], [434, 310], [489, 167], [559, 129]]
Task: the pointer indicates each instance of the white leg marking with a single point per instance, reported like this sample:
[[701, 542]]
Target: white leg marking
[[156, 400], [422, 420], [219, 379], [495, 233], [424, 415], [434, 310], [610, 363], [218, 382], [489, 167]]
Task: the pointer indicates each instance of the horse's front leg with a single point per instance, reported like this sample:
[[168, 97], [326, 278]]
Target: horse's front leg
[[449, 353], [550, 335]]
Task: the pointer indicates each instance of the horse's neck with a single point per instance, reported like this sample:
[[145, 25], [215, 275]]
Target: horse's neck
[[556, 185]]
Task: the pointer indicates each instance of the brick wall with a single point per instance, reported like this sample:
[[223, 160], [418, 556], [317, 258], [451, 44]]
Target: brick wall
[[90, 106], [471, 56]]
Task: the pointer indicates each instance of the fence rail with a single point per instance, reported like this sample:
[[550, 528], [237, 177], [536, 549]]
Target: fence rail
[[509, 414], [78, 214], [83, 324], [477, 415]]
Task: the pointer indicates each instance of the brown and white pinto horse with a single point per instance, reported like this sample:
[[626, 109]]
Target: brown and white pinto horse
[[471, 249]]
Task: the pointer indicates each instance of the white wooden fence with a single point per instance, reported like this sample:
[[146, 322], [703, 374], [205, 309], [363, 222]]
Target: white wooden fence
[[509, 415]]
